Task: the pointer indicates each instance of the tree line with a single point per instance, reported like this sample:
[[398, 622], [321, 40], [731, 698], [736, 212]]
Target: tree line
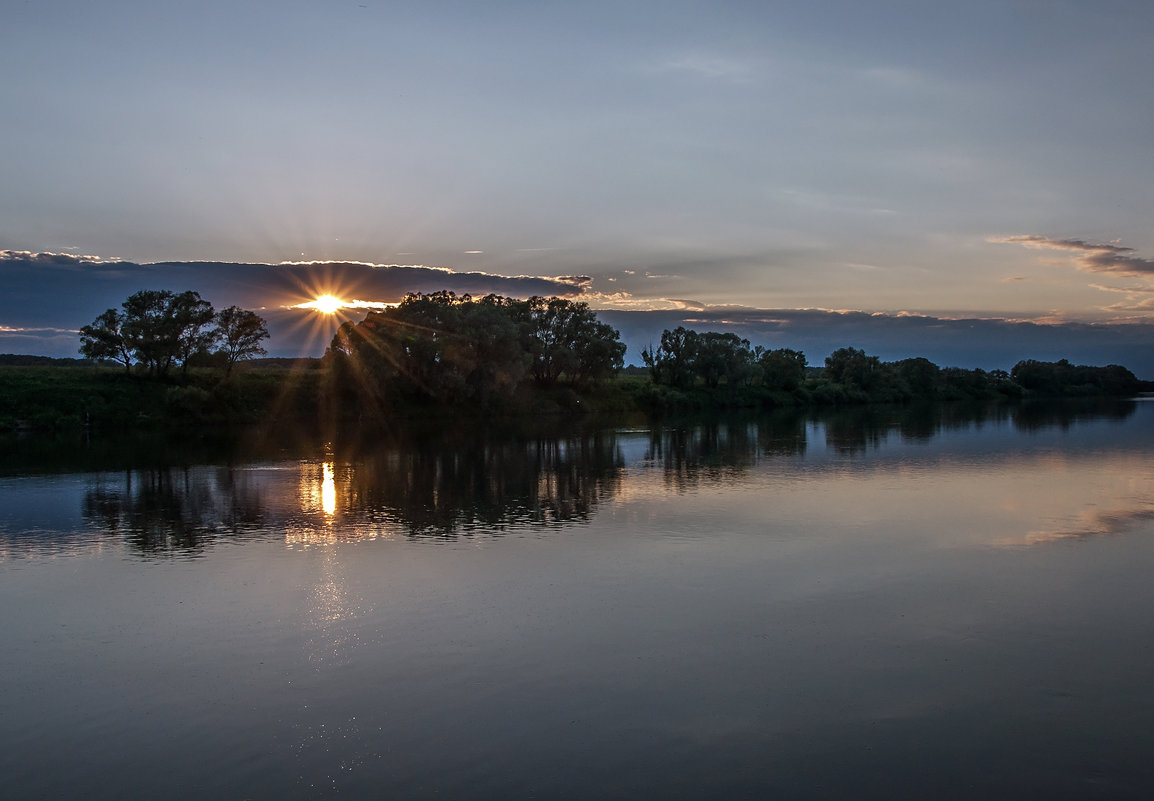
[[158, 330], [459, 349], [732, 372], [496, 353]]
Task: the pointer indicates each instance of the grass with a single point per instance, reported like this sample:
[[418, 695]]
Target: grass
[[66, 398]]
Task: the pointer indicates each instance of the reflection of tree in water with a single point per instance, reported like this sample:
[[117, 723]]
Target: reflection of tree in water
[[1036, 416], [449, 488], [720, 450], [862, 428], [175, 509], [857, 429], [438, 484]]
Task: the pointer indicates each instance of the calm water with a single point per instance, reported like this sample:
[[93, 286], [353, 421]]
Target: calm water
[[876, 605]]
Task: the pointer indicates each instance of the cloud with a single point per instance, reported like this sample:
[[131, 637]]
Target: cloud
[[7, 329], [1125, 290], [1090, 257], [29, 282], [32, 301], [704, 65], [39, 318]]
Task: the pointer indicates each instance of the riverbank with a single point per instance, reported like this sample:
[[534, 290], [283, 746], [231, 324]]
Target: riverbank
[[284, 392]]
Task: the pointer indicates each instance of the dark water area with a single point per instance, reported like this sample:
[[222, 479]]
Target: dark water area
[[941, 602]]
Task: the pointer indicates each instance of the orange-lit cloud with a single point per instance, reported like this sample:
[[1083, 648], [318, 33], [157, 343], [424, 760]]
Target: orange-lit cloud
[[1090, 257]]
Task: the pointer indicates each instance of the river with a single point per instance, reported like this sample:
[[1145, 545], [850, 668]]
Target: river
[[880, 603]]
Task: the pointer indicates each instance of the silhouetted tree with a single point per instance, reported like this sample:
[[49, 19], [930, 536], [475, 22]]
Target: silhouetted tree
[[723, 357], [918, 376], [674, 362], [103, 339], [240, 332], [782, 368], [1063, 378], [456, 348], [852, 368], [163, 329]]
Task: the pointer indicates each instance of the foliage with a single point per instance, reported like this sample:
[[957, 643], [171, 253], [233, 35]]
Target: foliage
[[240, 332], [108, 399], [781, 369], [460, 350], [103, 339], [691, 370], [674, 363], [686, 357], [1063, 378], [158, 330], [853, 369]]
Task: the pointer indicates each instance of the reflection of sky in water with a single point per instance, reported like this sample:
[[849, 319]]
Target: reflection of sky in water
[[731, 609], [1001, 484]]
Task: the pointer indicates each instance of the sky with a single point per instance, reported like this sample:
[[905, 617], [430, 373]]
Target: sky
[[869, 172]]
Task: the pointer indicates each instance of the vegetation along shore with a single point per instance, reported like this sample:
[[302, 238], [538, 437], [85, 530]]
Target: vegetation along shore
[[166, 359]]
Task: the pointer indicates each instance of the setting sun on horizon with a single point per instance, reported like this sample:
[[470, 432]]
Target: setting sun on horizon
[[326, 304]]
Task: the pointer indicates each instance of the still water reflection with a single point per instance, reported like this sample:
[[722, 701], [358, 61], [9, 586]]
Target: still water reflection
[[949, 603]]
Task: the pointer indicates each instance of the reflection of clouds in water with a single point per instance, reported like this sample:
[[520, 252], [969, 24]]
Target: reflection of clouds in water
[[1106, 494], [1096, 524]]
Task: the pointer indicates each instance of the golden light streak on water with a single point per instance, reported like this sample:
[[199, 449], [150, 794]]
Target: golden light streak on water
[[328, 490]]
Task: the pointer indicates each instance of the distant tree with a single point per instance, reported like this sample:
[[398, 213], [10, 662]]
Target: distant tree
[[191, 318], [239, 332], [782, 368], [723, 357], [674, 362], [853, 369], [103, 339], [919, 376], [453, 349], [157, 328], [565, 338], [1063, 378], [147, 331]]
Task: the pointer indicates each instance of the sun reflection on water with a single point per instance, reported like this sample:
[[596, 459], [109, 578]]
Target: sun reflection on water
[[326, 516], [328, 490]]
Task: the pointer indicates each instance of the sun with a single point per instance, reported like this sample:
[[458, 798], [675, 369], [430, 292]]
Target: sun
[[327, 304]]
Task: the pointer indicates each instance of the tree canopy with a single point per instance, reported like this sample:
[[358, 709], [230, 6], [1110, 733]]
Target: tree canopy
[[692, 369], [158, 330], [460, 349]]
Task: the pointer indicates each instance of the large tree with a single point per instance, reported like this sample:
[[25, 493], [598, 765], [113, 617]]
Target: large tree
[[457, 348], [674, 362], [566, 339], [157, 328], [239, 332], [103, 339]]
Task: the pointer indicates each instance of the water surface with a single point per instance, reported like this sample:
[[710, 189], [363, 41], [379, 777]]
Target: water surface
[[878, 604]]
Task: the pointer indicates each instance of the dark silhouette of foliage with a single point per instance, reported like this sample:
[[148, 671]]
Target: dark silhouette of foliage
[[1063, 378], [724, 358], [103, 339], [240, 332], [674, 363], [853, 369], [158, 330], [163, 329], [782, 368], [457, 349], [690, 370]]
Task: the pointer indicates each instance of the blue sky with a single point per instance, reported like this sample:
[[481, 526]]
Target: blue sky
[[981, 161]]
